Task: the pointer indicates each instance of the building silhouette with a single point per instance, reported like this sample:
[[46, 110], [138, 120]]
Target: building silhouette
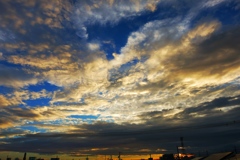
[[32, 158], [167, 157]]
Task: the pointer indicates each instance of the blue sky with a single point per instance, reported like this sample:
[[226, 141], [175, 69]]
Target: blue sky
[[112, 72]]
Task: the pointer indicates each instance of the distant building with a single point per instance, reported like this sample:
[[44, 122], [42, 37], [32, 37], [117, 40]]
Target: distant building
[[198, 158], [111, 158], [150, 158], [32, 158], [220, 156], [167, 157], [25, 156], [235, 157]]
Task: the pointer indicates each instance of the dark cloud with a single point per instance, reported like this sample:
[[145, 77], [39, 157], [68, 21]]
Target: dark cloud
[[13, 77], [215, 104], [116, 138], [217, 55], [12, 115], [21, 112]]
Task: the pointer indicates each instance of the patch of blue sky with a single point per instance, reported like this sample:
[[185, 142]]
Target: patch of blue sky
[[122, 71], [7, 64], [34, 123], [33, 129], [119, 32], [56, 122], [84, 117], [81, 102], [226, 14], [6, 90], [43, 85], [109, 119], [37, 102]]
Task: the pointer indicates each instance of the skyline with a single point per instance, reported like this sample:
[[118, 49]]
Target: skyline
[[98, 77]]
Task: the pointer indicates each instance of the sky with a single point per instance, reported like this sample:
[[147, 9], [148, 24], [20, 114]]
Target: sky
[[98, 77]]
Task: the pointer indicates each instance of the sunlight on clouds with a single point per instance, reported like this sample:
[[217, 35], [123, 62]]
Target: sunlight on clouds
[[161, 66], [42, 62], [174, 65], [172, 113], [145, 81], [4, 102], [200, 33]]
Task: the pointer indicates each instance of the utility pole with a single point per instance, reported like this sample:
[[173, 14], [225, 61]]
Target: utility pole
[[119, 156], [24, 157], [183, 149], [178, 157]]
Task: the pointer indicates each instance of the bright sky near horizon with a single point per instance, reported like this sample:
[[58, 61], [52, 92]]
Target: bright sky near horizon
[[102, 76]]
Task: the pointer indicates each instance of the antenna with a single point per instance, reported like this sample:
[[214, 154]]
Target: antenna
[[178, 153], [182, 145], [24, 157], [119, 155]]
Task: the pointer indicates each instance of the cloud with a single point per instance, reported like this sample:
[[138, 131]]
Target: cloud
[[161, 55], [127, 138], [93, 46], [16, 77], [50, 13], [103, 12], [4, 101], [169, 77], [13, 116], [112, 11], [172, 78]]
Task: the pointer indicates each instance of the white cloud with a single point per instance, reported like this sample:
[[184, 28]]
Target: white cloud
[[103, 12], [6, 35], [213, 3], [93, 46]]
